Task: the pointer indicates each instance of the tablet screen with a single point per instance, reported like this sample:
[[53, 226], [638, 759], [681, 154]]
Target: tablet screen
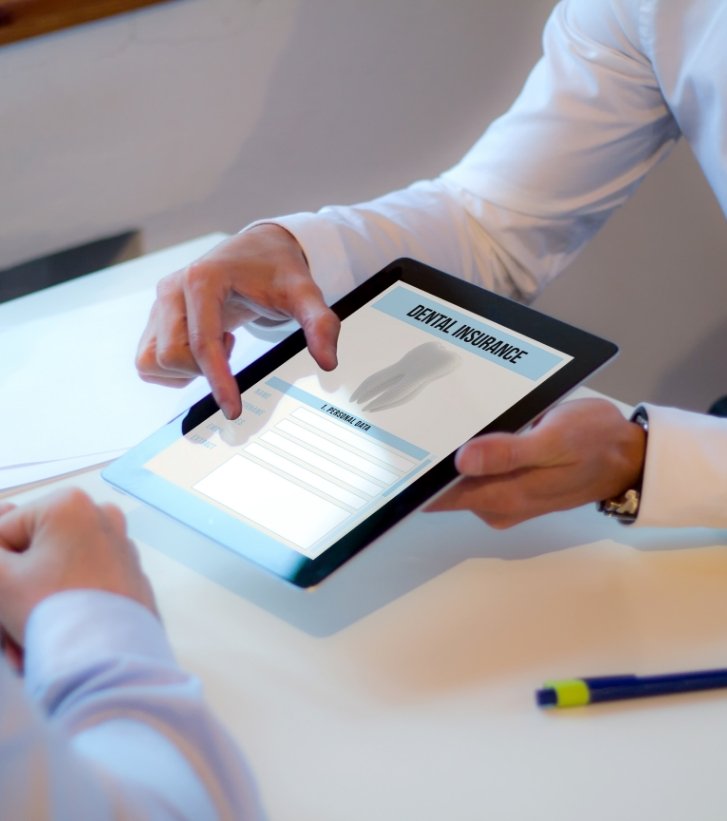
[[315, 454]]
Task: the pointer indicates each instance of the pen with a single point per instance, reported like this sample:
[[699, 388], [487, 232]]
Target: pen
[[577, 692]]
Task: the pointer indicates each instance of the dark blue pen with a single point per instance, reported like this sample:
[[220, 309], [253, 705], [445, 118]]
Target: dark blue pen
[[577, 692]]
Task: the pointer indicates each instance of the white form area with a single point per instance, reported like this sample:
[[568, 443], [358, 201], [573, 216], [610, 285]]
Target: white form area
[[338, 451], [276, 460], [257, 493], [317, 479], [321, 463]]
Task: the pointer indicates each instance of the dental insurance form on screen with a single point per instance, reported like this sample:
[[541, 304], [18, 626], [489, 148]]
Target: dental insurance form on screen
[[315, 452]]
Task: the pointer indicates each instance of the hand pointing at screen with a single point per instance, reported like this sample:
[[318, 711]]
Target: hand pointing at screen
[[261, 272]]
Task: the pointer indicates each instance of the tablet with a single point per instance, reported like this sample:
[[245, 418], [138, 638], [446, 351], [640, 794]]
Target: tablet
[[322, 463]]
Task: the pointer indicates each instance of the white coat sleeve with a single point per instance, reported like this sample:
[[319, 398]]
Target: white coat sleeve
[[587, 127]]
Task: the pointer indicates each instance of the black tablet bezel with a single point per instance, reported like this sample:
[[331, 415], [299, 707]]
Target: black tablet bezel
[[588, 351]]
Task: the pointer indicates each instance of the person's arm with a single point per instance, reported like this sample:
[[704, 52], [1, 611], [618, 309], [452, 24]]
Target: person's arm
[[108, 726], [588, 125]]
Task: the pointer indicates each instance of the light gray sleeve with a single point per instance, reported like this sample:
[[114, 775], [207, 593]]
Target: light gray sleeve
[[109, 725]]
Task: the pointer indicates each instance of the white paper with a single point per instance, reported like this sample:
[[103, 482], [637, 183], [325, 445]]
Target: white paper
[[70, 386], [70, 391], [25, 474]]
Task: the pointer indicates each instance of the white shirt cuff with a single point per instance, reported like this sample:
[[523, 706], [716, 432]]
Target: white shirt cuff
[[685, 473]]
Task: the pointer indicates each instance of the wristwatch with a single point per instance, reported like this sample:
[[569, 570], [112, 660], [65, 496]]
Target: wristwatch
[[625, 507]]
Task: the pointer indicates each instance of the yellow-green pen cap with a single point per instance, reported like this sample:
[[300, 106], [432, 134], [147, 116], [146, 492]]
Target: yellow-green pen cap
[[571, 692]]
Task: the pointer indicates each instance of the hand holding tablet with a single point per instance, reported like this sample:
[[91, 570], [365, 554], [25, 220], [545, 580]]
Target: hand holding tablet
[[580, 451], [321, 463]]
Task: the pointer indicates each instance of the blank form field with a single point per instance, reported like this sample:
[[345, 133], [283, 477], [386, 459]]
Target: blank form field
[[270, 500], [320, 462], [373, 448], [340, 452], [308, 477]]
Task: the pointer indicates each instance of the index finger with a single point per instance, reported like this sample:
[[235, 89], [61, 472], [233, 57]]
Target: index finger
[[209, 344]]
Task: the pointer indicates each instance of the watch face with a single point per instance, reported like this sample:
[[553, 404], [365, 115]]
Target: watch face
[[624, 508]]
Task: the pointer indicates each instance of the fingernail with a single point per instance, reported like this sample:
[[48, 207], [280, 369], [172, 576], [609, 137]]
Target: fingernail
[[468, 461], [232, 413]]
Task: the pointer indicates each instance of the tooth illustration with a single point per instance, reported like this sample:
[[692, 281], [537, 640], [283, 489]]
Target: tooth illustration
[[402, 381]]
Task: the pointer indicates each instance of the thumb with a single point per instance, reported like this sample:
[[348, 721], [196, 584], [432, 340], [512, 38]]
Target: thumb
[[7, 558], [13, 541], [496, 454], [17, 525], [8, 580], [5, 507], [15, 605]]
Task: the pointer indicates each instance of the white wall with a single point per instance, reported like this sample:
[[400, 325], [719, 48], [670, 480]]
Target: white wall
[[201, 115]]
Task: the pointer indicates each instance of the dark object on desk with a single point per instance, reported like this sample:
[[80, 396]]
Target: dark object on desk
[[718, 407]]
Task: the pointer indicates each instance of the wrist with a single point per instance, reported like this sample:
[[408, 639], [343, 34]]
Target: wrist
[[278, 235]]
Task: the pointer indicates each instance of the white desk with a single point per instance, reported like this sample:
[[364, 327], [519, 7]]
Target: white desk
[[402, 688]]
